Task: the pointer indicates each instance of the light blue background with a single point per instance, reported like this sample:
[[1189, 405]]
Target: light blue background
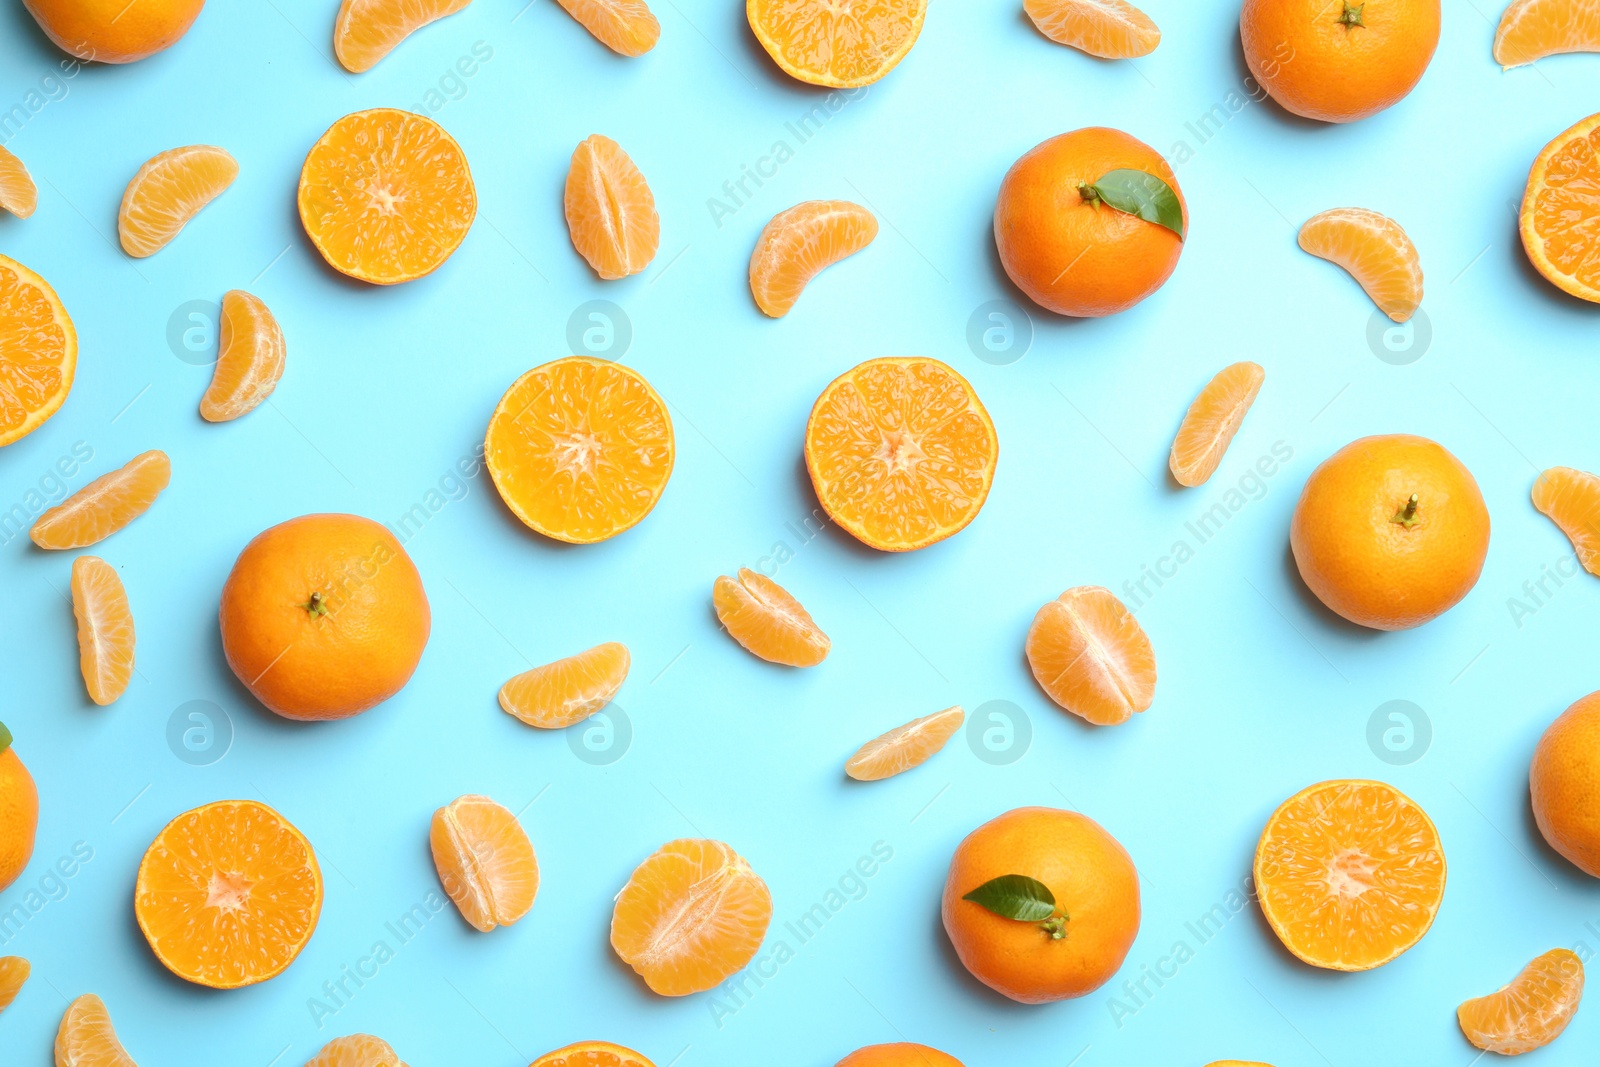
[[1262, 692]]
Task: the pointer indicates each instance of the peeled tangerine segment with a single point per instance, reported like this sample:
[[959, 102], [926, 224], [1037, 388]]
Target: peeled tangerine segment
[[86, 1038], [168, 191], [1091, 656], [904, 747], [761, 615], [1211, 422], [799, 243], [1532, 29], [105, 629], [250, 355], [691, 915], [1571, 498], [611, 213], [105, 505], [625, 26], [1376, 252], [18, 194], [14, 971], [1110, 29], [565, 692], [368, 30], [1529, 1012], [356, 1050], [485, 861]]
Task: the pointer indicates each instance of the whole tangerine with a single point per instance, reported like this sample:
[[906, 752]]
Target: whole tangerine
[[1564, 781], [114, 31], [1093, 918], [898, 1054], [19, 812], [324, 616], [1390, 531], [1063, 244]]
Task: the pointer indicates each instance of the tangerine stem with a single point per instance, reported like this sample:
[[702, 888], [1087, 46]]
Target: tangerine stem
[[1351, 15], [317, 605], [1089, 193], [1055, 926], [1407, 516]]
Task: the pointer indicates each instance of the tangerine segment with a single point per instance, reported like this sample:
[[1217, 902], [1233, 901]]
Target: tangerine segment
[[18, 194], [1212, 420], [1109, 29], [824, 42], [386, 195], [105, 629], [250, 355], [1561, 211], [356, 1050], [38, 351], [14, 971], [625, 26], [105, 505], [761, 615], [1530, 1011], [691, 915], [1091, 656], [1350, 874], [799, 243], [167, 192], [580, 449], [228, 894], [485, 861], [901, 452], [86, 1037], [904, 747], [1376, 252], [611, 213], [559, 694], [1571, 499], [1532, 29], [592, 1054], [368, 30]]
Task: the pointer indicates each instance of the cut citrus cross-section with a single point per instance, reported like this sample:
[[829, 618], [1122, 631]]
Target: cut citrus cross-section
[[825, 42], [1561, 211], [557, 695], [86, 1037], [904, 747], [1571, 498], [250, 354], [1376, 252], [901, 452], [1109, 29], [761, 615], [580, 449], [799, 243], [627, 27], [386, 195], [14, 971], [368, 30], [1349, 874], [168, 191], [18, 194], [1532, 29], [105, 629], [356, 1050], [105, 505], [1212, 420], [1530, 1011], [228, 894], [592, 1054], [691, 915], [611, 213], [485, 861], [1091, 656], [38, 351]]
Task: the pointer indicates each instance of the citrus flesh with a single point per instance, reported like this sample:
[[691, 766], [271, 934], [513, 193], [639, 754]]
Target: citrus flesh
[[760, 614], [86, 1037], [1091, 656], [1212, 420], [800, 243], [1530, 30], [105, 629], [1109, 29], [367, 30], [904, 747], [1531, 1010], [611, 213], [1571, 499], [823, 42], [18, 194], [627, 27], [250, 355], [1561, 211], [485, 861], [105, 505], [592, 1054], [168, 191], [38, 351], [559, 694], [14, 971], [356, 1050], [1376, 252]]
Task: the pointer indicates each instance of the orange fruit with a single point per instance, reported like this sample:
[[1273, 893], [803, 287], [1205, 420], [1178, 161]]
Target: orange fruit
[[1561, 781], [1109, 29], [249, 358], [557, 695], [822, 42], [114, 31], [386, 196], [14, 971], [1211, 421], [1376, 252], [611, 213], [760, 614], [1559, 211], [691, 915], [1390, 531], [1533, 29], [1338, 61], [356, 1050], [105, 629], [324, 616], [904, 747], [105, 505], [1571, 499], [167, 192], [1531, 1010], [1069, 932], [901, 452], [625, 26], [18, 194], [799, 243], [368, 30], [38, 351], [1349, 874], [580, 449], [1063, 246], [1091, 656], [899, 1054], [19, 812], [592, 1054], [228, 894], [86, 1038], [485, 861]]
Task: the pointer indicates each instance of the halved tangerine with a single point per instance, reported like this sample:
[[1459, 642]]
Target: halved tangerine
[[760, 614], [691, 915], [611, 213], [86, 1037], [1374, 250], [557, 695], [824, 42], [904, 747], [168, 191], [1109, 29], [1091, 656], [105, 505], [14, 971], [386, 195], [1571, 498], [592, 1054], [627, 27], [1531, 1010], [485, 861], [356, 1050], [18, 194], [1212, 420], [1561, 211], [105, 629], [1349, 874], [38, 351], [580, 449], [250, 355], [368, 30], [801, 242], [1530, 30]]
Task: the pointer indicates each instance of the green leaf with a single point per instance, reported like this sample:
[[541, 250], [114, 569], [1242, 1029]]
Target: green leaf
[[5, 737], [1139, 193], [1015, 896]]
